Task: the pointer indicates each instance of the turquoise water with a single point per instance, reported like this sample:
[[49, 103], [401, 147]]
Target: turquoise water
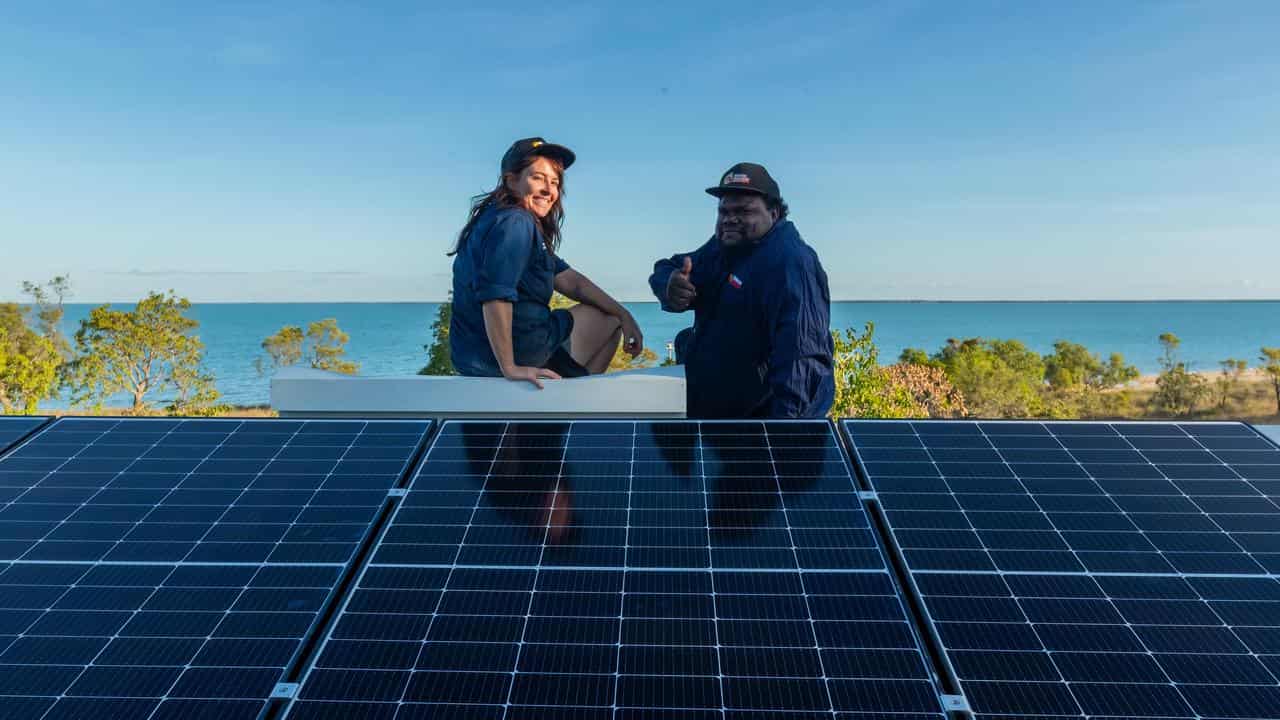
[[388, 338]]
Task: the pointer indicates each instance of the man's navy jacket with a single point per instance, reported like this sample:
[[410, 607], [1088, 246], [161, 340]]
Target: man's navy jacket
[[761, 342]]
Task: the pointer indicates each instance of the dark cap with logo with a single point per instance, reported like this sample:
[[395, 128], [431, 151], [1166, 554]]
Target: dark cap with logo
[[522, 149], [747, 178]]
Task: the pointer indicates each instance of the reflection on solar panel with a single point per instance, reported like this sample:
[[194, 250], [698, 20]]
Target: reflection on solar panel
[[1091, 569], [604, 569], [171, 568], [13, 429]]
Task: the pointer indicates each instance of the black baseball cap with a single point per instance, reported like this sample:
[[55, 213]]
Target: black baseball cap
[[522, 149], [747, 178]]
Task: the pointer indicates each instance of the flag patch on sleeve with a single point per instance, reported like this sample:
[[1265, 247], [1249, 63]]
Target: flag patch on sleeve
[[734, 281]]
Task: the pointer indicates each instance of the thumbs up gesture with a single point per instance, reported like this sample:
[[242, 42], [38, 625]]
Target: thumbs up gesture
[[680, 290]]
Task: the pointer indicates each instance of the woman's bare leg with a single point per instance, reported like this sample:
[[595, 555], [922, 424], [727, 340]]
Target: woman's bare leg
[[594, 339]]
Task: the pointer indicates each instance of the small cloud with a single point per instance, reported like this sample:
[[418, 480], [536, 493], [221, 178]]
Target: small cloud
[[249, 54]]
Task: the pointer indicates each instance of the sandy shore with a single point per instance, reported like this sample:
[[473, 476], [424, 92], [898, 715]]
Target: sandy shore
[[1250, 376]]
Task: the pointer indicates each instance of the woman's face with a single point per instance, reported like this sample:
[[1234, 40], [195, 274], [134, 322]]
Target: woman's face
[[537, 187]]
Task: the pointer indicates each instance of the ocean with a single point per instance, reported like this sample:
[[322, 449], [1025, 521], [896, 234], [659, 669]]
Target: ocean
[[388, 338]]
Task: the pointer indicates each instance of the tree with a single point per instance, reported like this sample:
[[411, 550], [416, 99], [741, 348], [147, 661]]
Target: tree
[[327, 344], [1080, 384], [1271, 366], [929, 388], [915, 356], [283, 348], [1228, 380], [323, 346], [144, 352], [439, 361], [48, 300], [862, 388], [1177, 389], [29, 363], [998, 378], [197, 395]]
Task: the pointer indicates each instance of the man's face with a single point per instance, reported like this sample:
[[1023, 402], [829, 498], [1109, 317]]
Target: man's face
[[743, 219]]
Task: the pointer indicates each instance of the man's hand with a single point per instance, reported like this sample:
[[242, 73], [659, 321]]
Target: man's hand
[[518, 373], [680, 289], [632, 338]]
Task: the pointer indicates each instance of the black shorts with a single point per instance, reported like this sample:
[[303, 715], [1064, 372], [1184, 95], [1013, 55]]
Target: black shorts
[[563, 364]]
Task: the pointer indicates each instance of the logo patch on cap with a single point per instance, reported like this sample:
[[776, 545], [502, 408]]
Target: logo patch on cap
[[735, 179], [535, 143]]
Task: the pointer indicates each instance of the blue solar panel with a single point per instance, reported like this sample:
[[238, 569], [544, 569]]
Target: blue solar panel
[[1110, 645], [1090, 569], [629, 570], [1076, 497], [253, 491], [173, 568], [13, 429]]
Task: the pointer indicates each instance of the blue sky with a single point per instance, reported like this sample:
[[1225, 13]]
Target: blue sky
[[322, 151]]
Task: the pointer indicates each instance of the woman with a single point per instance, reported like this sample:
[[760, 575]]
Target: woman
[[505, 267]]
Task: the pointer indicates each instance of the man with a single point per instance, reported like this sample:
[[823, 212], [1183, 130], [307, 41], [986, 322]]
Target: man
[[760, 346]]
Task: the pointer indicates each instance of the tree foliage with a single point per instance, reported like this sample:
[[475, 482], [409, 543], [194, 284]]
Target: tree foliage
[[439, 361], [29, 363], [929, 388], [1228, 380], [863, 390], [47, 301], [915, 356], [1072, 366], [998, 378], [323, 345], [622, 361], [1178, 390], [144, 353], [1270, 358]]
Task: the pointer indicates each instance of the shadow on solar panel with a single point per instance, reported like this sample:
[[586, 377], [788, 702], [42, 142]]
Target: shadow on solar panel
[[14, 429]]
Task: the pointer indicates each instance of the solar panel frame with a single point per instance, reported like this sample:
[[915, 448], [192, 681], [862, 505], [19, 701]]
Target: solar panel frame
[[16, 428], [513, 587], [1069, 643], [245, 625]]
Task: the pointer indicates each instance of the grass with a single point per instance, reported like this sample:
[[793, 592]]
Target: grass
[[1253, 400]]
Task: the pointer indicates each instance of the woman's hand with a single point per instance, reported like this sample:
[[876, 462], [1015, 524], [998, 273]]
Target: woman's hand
[[632, 338], [523, 373]]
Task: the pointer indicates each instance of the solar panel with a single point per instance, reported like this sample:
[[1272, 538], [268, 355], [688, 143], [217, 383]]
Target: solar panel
[[13, 429], [625, 569], [1090, 569], [1110, 645], [1076, 497], [173, 568]]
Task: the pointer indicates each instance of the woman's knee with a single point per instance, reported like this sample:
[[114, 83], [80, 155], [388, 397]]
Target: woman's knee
[[594, 320]]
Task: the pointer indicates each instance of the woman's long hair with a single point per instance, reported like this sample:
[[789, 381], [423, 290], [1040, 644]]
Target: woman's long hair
[[501, 196]]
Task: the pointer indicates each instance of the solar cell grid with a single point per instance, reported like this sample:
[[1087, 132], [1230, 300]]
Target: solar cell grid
[[219, 491], [13, 429], [1072, 497], [618, 569], [173, 568], [1090, 569], [1111, 645]]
